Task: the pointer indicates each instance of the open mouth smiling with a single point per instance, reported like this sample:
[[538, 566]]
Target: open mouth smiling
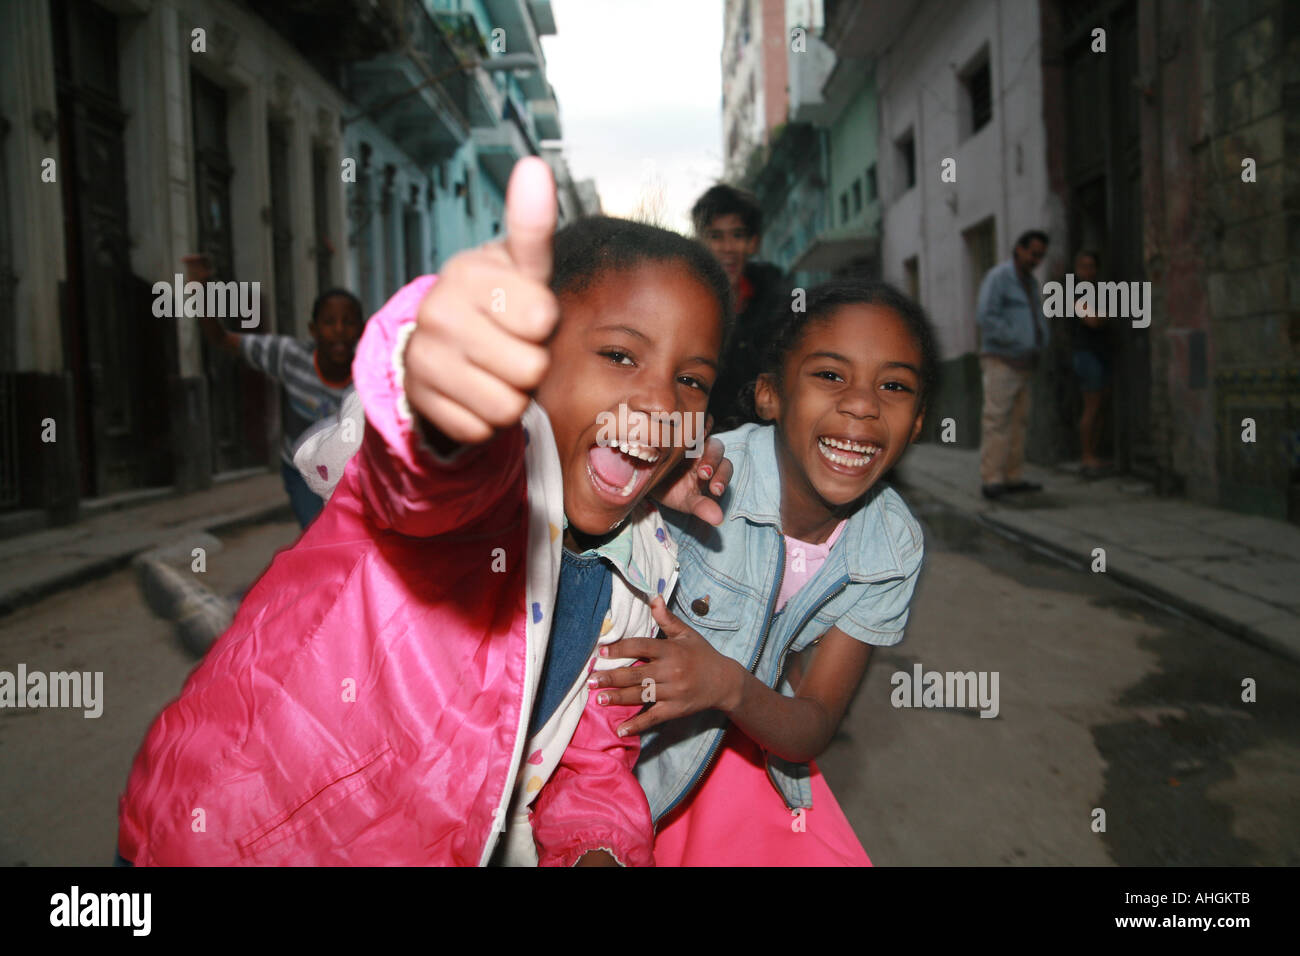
[[619, 473], [846, 454]]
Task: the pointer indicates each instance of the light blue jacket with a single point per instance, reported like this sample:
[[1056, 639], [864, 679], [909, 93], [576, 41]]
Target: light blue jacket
[[864, 589], [1005, 314]]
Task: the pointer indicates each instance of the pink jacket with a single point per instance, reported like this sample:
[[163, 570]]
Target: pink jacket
[[369, 703]]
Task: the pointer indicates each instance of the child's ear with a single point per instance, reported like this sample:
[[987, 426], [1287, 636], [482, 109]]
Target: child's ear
[[916, 425], [767, 401]]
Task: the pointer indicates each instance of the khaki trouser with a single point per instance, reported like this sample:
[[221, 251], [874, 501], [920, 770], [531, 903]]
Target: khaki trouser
[[1004, 422]]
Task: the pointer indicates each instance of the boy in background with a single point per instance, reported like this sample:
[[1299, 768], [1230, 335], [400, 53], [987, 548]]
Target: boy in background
[[314, 377], [729, 221]]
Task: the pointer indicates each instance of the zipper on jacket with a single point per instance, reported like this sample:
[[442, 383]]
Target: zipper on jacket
[[767, 627], [826, 599]]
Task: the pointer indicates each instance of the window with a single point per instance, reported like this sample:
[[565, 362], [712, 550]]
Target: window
[[912, 278], [857, 196], [905, 148], [981, 255], [977, 95], [871, 183]]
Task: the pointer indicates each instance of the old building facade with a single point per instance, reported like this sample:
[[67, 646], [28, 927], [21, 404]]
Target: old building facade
[[300, 145]]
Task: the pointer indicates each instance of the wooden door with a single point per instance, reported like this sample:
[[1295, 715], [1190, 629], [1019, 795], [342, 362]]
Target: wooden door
[[106, 341], [237, 394]]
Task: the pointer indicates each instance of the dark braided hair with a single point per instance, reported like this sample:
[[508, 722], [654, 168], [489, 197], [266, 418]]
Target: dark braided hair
[[789, 326], [591, 246]]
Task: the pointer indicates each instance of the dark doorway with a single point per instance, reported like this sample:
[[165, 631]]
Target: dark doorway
[[412, 237], [238, 395], [112, 342], [320, 179], [1103, 176], [277, 139]]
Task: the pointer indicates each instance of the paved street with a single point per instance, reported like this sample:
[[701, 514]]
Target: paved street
[[1106, 701], [60, 772]]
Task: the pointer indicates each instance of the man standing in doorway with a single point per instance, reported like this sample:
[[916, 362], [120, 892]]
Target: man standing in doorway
[[1013, 334]]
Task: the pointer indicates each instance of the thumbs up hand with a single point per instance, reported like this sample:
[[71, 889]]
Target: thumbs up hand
[[478, 349]]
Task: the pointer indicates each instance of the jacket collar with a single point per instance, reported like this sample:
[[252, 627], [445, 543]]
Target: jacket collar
[[643, 552], [868, 551]]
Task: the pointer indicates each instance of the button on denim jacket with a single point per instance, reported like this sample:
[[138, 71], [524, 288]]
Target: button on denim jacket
[[729, 580]]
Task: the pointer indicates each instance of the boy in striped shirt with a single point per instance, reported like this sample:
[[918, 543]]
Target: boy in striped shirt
[[314, 378]]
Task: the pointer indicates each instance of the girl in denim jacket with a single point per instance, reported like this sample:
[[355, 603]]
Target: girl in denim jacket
[[813, 551]]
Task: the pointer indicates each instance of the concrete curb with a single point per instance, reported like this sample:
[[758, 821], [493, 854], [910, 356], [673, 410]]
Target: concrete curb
[[1261, 624], [1172, 587], [75, 573]]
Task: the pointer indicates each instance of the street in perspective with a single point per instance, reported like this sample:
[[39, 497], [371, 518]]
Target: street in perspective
[[330, 533]]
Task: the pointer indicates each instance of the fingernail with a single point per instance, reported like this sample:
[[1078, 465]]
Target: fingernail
[[602, 698], [717, 487], [622, 732], [594, 682], [706, 471], [604, 651]]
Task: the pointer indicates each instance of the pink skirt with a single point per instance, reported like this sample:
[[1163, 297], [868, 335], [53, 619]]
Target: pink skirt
[[735, 817]]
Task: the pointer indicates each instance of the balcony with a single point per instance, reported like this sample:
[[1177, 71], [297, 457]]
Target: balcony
[[837, 250], [424, 120], [543, 17], [864, 28], [405, 91], [546, 117], [499, 148], [429, 93], [514, 17], [332, 33]]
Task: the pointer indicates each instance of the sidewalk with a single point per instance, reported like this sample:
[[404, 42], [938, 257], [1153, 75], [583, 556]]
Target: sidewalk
[[1239, 572], [35, 565]]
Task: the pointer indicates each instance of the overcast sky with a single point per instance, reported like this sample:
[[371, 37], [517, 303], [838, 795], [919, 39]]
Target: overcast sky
[[640, 93]]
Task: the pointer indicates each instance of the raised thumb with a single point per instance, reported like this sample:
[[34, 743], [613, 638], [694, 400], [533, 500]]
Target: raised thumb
[[530, 217]]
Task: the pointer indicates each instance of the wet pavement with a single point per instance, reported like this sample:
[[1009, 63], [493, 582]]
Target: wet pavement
[[1110, 701]]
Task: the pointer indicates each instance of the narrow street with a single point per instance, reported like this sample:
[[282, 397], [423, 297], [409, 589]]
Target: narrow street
[[1106, 701]]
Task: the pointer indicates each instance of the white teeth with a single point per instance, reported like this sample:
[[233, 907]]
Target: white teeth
[[845, 460], [850, 446], [634, 450]]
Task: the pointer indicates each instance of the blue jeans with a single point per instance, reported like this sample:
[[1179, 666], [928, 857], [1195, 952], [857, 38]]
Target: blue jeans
[[306, 503]]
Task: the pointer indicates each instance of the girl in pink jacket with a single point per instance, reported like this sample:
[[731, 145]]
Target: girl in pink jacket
[[409, 681]]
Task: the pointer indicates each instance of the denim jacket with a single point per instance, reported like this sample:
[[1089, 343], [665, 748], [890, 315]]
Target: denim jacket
[[1006, 316], [727, 589]]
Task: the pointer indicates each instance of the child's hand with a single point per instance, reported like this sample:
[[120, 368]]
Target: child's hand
[[688, 674], [687, 487], [478, 348]]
